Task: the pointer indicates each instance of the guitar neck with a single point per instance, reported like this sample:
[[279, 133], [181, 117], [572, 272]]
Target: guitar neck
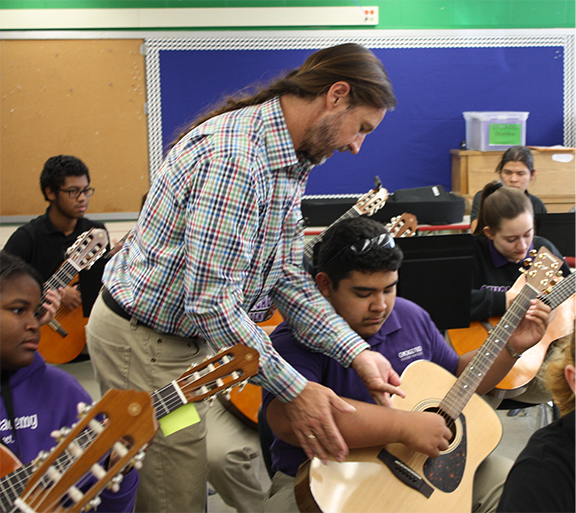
[[12, 486], [167, 399], [468, 382], [560, 293], [309, 247]]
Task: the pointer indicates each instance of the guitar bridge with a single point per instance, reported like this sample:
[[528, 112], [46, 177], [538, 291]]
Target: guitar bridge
[[403, 472], [57, 327]]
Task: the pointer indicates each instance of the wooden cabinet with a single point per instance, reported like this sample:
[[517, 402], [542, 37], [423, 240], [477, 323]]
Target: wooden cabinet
[[554, 182]]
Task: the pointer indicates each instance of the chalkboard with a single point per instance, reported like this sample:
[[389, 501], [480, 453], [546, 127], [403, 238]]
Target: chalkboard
[[435, 80], [76, 97]]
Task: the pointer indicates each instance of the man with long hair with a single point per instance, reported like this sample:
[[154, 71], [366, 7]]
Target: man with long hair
[[222, 228]]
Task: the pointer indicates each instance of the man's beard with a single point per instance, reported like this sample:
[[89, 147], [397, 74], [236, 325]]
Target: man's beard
[[320, 140]]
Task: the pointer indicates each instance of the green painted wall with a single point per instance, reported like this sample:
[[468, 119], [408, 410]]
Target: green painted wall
[[394, 14]]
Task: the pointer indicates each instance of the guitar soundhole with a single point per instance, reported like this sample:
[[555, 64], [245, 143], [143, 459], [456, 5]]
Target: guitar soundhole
[[450, 422]]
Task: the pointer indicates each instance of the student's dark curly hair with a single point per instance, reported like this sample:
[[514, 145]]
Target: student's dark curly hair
[[12, 267], [338, 263], [56, 169]]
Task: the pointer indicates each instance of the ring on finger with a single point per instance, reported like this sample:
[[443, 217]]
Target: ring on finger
[[312, 436]]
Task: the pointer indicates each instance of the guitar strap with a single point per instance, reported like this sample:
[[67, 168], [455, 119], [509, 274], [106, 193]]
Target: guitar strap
[[6, 393]]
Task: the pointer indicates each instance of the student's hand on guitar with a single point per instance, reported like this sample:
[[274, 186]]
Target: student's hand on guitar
[[531, 328], [71, 298], [312, 421], [380, 378], [426, 432], [50, 305]]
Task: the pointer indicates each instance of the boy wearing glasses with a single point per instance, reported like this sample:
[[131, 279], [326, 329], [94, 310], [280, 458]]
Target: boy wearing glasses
[[358, 264], [42, 242]]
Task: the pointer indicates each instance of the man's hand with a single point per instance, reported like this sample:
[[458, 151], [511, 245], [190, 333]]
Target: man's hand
[[71, 298], [531, 328], [380, 378], [50, 305], [312, 421], [427, 433]]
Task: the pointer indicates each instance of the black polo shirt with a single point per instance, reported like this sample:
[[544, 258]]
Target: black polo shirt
[[43, 246]]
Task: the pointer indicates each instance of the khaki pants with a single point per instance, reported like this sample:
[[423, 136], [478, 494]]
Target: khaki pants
[[487, 489], [127, 356], [232, 451]]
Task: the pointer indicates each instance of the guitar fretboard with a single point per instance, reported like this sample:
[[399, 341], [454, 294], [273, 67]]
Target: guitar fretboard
[[462, 390], [166, 400]]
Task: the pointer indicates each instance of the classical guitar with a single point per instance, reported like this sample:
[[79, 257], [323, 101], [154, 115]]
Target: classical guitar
[[394, 478], [71, 476], [62, 339], [229, 368], [521, 375]]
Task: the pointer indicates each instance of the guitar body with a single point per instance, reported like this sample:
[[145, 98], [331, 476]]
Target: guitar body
[[8, 461], [525, 369], [58, 349], [244, 403], [364, 483]]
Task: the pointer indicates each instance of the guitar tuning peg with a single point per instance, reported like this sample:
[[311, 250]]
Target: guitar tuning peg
[[114, 485], [242, 385], [533, 252], [94, 503], [523, 271], [60, 434], [211, 400], [42, 457], [83, 409], [138, 459]]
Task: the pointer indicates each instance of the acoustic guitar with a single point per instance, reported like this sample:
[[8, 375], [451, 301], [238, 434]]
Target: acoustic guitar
[[70, 477], [244, 404], [229, 368], [63, 339], [394, 478], [562, 300]]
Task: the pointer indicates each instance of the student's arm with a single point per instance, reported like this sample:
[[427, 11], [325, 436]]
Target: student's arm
[[529, 332], [372, 425]]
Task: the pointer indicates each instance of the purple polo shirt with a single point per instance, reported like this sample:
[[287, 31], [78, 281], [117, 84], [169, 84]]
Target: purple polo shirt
[[407, 335]]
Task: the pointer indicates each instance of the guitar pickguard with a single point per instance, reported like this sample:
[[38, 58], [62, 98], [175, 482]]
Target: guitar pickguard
[[446, 471]]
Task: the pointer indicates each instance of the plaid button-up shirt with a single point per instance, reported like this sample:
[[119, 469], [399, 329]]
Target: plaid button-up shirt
[[221, 228]]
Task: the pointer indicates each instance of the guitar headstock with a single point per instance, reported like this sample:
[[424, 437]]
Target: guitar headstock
[[88, 247], [219, 373], [544, 267], [130, 425], [403, 226], [371, 202]]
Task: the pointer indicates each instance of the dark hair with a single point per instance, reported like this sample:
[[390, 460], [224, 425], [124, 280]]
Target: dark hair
[[499, 202], [338, 264], [12, 266], [56, 169], [517, 154], [349, 62]]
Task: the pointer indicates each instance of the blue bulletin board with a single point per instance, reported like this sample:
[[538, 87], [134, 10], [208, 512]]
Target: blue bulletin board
[[435, 79]]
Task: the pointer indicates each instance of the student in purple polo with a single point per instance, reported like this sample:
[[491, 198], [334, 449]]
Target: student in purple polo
[[358, 272]]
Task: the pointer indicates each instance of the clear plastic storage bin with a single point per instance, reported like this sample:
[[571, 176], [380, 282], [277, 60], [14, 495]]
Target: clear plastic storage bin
[[495, 131]]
